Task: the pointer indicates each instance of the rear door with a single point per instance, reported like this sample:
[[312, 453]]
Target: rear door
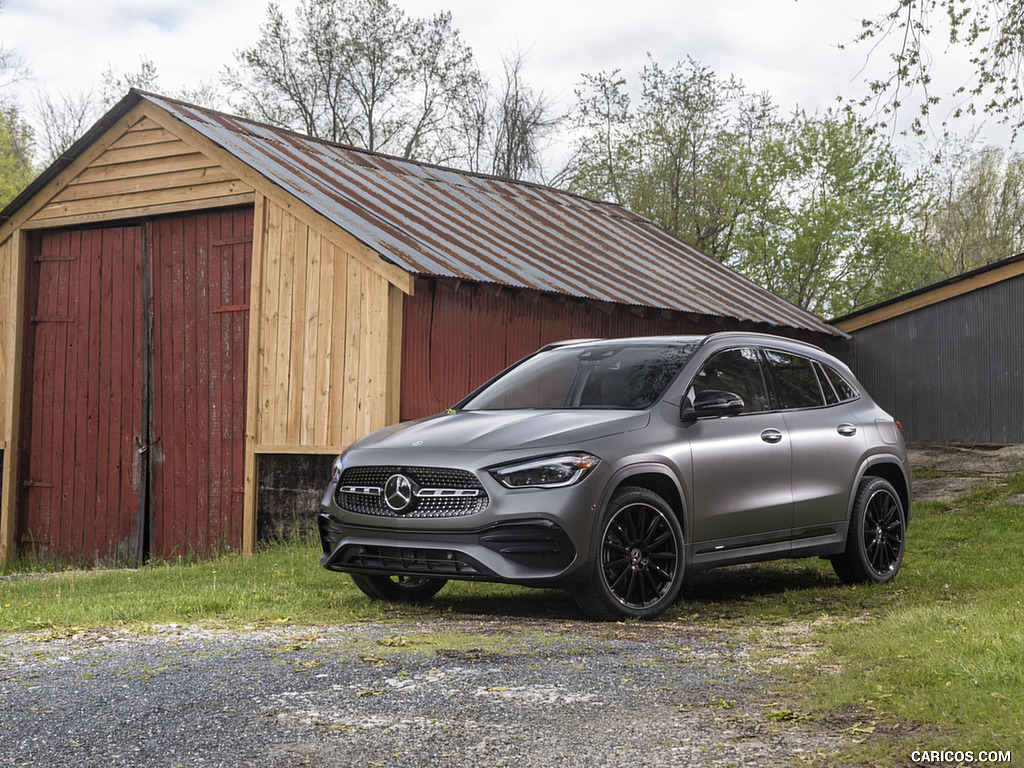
[[827, 443]]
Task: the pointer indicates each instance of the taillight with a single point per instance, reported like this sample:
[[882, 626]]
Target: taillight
[[900, 428]]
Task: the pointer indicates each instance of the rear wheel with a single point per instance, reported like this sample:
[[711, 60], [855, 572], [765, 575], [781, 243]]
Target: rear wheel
[[398, 588], [639, 569], [876, 539]]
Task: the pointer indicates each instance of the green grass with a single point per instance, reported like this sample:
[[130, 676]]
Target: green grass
[[283, 582], [944, 647], [932, 661]]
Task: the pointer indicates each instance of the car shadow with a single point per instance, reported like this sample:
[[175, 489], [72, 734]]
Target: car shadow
[[722, 593]]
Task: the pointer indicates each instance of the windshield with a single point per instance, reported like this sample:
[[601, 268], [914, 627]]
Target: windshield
[[630, 376]]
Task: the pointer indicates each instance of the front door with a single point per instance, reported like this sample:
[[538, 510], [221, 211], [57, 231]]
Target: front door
[[742, 465]]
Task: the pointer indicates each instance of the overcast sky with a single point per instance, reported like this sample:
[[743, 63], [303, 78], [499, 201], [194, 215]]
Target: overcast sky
[[788, 48]]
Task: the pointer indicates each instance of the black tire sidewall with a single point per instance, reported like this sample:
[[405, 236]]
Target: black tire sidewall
[[596, 598], [853, 565], [380, 587]]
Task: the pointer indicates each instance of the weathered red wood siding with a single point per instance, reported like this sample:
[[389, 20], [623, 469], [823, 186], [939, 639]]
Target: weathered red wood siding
[[458, 335], [80, 483], [201, 273]]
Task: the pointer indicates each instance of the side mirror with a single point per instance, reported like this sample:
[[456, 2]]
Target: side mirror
[[715, 402]]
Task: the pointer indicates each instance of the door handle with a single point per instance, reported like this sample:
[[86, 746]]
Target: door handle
[[771, 436], [846, 430]]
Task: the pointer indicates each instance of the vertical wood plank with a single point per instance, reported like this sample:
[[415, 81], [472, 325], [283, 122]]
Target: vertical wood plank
[[321, 434], [254, 366], [271, 322], [339, 347], [14, 333], [396, 306], [310, 396], [297, 351], [355, 328]]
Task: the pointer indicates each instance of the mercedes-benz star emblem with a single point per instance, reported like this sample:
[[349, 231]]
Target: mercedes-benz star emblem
[[398, 492]]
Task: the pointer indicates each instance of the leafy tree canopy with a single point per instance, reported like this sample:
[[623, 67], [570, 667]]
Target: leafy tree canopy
[[359, 72], [815, 208]]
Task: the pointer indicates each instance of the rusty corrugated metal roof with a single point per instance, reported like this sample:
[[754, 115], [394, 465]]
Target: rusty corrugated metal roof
[[437, 221]]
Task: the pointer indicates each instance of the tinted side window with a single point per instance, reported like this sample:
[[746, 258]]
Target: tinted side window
[[831, 398], [738, 371], [796, 384], [843, 388]]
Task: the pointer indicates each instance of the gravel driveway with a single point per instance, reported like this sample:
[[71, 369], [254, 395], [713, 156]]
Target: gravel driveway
[[444, 693]]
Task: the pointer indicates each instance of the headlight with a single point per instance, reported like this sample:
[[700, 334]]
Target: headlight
[[548, 472], [336, 469]]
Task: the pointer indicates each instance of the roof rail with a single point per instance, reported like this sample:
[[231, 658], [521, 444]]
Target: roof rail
[[566, 342], [715, 336]]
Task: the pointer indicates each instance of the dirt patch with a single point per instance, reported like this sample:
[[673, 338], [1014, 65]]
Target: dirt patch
[[943, 472]]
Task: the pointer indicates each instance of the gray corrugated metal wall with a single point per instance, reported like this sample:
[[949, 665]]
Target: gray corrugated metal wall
[[952, 371]]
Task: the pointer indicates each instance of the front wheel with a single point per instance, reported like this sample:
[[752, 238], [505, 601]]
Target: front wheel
[[876, 539], [402, 589], [639, 569]]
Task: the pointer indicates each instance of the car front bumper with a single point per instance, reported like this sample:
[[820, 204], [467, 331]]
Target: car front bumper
[[533, 552]]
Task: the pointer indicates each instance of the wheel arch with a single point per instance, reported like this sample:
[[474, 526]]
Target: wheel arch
[[891, 469], [657, 479]]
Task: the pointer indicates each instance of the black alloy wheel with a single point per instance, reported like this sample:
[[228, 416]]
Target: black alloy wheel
[[876, 540], [639, 569]]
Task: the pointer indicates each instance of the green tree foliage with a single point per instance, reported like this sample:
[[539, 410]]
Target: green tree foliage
[[360, 72], [816, 209], [15, 154], [975, 210], [15, 135], [676, 157], [989, 32], [829, 219]]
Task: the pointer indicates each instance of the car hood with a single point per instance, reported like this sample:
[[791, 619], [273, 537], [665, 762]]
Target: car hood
[[504, 430]]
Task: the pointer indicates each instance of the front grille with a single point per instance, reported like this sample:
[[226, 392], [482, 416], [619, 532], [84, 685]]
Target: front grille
[[438, 492]]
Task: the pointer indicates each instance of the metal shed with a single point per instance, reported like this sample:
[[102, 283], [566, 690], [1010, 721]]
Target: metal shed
[[199, 310], [947, 360]]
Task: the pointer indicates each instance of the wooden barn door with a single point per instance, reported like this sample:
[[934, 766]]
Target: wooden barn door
[[136, 360], [201, 268], [81, 472]]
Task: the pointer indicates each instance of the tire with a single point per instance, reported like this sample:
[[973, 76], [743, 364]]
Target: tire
[[876, 539], [640, 559], [398, 589]]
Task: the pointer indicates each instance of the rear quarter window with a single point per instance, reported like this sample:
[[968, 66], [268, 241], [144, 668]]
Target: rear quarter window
[[844, 390]]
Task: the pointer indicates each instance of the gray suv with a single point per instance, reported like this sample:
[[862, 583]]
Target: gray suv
[[615, 467]]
